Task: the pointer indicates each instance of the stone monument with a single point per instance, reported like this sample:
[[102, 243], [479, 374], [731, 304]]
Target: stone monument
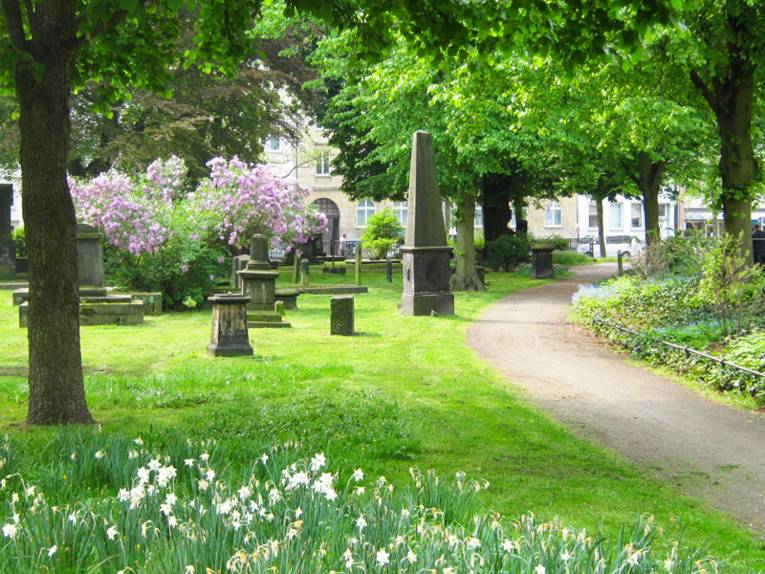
[[425, 251], [259, 284], [341, 315], [229, 337], [542, 262], [238, 262], [97, 305]]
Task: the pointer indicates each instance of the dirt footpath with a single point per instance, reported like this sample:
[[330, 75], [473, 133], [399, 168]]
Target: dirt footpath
[[711, 451]]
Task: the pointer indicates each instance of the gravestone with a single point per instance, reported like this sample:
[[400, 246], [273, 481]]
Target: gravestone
[[305, 272], [97, 305], [341, 315], [229, 337], [90, 260], [425, 252], [542, 262], [259, 284], [296, 267], [238, 262]]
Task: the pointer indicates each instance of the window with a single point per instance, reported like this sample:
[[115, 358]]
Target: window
[[636, 215], [364, 210], [322, 164], [478, 216], [401, 209], [553, 215], [274, 143], [615, 215], [663, 215], [593, 215]]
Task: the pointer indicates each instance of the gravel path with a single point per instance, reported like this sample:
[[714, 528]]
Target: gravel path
[[710, 451]]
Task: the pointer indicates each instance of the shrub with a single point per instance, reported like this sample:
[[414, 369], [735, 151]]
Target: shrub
[[507, 252], [683, 256], [20, 241], [732, 285], [555, 241], [570, 258], [383, 233]]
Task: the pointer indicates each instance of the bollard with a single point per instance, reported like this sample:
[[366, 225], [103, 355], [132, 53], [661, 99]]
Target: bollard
[[341, 315], [358, 262], [296, 267], [305, 271], [620, 262], [389, 269]]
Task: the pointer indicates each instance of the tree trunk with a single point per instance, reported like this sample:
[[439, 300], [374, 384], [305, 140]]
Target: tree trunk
[[56, 389], [496, 207], [738, 167], [650, 174], [731, 97], [465, 277], [521, 223], [601, 227]]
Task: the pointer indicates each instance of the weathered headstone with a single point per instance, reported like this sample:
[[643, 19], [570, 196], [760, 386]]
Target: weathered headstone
[[229, 337], [90, 259], [425, 251], [259, 284], [238, 262], [542, 262], [341, 315], [305, 272]]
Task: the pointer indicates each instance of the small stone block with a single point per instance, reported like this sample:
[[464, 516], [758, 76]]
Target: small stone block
[[341, 315], [279, 308]]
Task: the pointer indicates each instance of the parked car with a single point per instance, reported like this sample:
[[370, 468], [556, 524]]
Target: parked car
[[630, 245]]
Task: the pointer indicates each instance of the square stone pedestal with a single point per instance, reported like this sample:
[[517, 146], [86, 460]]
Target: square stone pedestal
[[426, 281]]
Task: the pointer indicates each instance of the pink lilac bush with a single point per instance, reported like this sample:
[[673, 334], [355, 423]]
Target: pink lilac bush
[[240, 199]]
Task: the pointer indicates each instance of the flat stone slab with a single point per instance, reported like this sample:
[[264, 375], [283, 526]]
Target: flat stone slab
[[333, 289], [102, 313], [266, 320], [13, 285]]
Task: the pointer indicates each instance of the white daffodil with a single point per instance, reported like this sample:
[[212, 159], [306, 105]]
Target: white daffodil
[[382, 557]]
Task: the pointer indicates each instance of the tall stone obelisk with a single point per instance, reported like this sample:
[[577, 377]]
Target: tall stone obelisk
[[425, 252]]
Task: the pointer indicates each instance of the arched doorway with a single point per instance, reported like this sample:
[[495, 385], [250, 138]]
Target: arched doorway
[[331, 235]]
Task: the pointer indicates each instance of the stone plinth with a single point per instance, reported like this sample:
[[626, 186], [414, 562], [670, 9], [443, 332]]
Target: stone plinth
[[341, 315], [229, 336], [289, 297], [542, 262], [111, 310], [425, 253], [259, 284]]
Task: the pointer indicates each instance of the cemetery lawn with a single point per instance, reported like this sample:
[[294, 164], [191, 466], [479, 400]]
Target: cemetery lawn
[[405, 391]]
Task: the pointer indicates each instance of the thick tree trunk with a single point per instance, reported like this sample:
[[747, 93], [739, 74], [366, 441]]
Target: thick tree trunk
[[465, 277], [650, 174], [601, 227], [738, 167], [521, 223], [56, 389], [496, 207], [731, 97]]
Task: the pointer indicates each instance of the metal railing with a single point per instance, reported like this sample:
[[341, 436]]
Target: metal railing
[[688, 351]]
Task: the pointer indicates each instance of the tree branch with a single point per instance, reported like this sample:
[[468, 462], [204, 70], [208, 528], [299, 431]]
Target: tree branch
[[15, 25], [704, 89]]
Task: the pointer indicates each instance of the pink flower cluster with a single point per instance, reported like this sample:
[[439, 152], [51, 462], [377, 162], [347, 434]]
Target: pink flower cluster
[[130, 221], [139, 214], [241, 199]]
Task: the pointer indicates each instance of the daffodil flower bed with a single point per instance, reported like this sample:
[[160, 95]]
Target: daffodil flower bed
[[186, 512]]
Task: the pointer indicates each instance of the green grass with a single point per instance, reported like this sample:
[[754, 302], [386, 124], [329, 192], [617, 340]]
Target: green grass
[[405, 391]]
